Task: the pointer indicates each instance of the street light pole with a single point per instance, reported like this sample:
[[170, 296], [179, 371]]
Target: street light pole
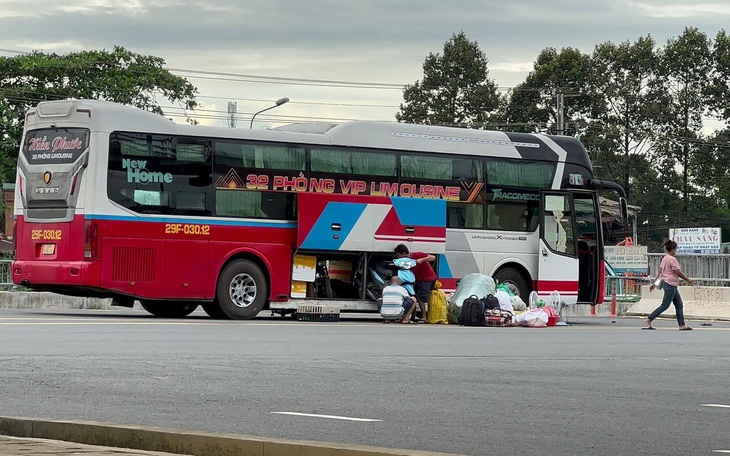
[[279, 102]]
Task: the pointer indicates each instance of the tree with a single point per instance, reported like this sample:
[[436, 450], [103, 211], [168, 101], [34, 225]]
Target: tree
[[455, 90], [622, 75], [720, 89], [684, 93], [120, 76], [533, 103]]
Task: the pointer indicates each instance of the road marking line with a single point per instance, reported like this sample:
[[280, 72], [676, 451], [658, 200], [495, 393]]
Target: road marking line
[[721, 451], [332, 417], [163, 323], [716, 405]]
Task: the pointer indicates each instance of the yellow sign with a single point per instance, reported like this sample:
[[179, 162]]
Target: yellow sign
[[46, 235], [187, 228]]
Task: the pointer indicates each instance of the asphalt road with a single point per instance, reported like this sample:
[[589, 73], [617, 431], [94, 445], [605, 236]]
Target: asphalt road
[[599, 387]]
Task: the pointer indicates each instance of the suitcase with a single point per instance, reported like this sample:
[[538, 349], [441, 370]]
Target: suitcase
[[497, 317]]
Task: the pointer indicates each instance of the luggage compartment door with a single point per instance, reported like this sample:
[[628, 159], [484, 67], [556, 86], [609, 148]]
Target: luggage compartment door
[[370, 223]]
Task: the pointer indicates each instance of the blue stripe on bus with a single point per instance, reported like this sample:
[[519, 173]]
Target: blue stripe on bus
[[420, 212], [444, 269], [192, 221], [322, 236]]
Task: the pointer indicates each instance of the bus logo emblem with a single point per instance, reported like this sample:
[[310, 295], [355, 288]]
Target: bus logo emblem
[[47, 176]]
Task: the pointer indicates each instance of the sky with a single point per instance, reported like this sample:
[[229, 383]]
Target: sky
[[336, 60]]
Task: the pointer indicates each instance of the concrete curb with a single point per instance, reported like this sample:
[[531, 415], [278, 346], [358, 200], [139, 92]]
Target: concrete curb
[[602, 310], [47, 300], [185, 442]]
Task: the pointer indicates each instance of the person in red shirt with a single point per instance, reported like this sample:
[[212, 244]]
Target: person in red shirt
[[425, 276]]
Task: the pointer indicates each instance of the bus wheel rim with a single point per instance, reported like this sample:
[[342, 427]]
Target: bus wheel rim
[[242, 290]]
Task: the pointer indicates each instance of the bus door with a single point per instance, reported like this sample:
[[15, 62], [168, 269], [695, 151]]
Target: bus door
[[370, 223], [557, 250], [589, 239]]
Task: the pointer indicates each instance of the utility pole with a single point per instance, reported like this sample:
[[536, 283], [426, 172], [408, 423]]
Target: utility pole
[[232, 110], [561, 113]]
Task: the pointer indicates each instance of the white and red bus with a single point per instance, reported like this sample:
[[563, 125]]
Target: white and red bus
[[117, 202]]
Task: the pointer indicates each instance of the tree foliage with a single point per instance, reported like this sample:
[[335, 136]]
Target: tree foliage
[[641, 109], [623, 127], [683, 89], [533, 104], [455, 90], [118, 75]]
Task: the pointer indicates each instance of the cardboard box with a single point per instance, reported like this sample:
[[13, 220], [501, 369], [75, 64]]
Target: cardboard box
[[340, 270], [298, 289], [304, 268]]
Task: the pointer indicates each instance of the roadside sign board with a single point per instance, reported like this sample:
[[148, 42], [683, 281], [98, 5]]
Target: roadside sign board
[[627, 260], [696, 240]]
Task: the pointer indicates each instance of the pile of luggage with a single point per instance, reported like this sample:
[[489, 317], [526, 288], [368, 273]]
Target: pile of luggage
[[479, 301]]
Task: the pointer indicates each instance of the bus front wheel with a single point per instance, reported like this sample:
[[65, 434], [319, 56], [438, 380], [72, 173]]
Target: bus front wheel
[[169, 309], [515, 281], [242, 290]]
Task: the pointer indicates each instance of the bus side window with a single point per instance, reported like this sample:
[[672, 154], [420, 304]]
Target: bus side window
[[512, 216], [464, 215]]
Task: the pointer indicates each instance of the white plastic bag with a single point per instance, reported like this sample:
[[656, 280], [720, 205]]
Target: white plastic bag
[[518, 303], [535, 318], [505, 303]]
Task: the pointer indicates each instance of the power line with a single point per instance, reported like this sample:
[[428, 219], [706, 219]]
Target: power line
[[357, 105], [266, 79], [328, 82]]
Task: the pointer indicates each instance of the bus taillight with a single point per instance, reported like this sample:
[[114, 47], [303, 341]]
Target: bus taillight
[[90, 240]]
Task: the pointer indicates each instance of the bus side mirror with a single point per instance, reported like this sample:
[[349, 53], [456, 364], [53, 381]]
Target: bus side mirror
[[624, 209]]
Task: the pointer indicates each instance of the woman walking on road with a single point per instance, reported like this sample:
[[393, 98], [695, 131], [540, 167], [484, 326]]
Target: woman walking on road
[[669, 271]]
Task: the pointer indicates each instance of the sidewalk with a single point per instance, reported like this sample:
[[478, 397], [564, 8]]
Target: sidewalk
[[125, 437], [17, 446]]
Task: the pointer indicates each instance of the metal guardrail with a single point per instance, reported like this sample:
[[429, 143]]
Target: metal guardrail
[[629, 288], [696, 265], [6, 279]]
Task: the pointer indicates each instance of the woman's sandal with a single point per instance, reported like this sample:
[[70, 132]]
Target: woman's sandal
[[648, 325], [686, 328], [651, 328]]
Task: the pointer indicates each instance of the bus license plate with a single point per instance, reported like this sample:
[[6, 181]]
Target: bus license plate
[[48, 249]]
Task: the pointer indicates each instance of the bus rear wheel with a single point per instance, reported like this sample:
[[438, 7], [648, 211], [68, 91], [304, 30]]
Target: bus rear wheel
[[515, 281], [213, 309], [169, 309], [242, 290]]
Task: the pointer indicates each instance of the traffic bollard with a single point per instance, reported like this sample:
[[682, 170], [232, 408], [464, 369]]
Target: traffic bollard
[[613, 298]]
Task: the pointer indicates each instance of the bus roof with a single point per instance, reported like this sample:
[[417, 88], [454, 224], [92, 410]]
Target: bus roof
[[108, 116]]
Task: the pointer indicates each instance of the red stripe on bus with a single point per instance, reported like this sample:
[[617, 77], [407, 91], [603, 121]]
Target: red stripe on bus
[[563, 286]]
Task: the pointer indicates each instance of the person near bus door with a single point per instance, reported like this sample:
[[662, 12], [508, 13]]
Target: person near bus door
[[669, 271], [425, 276]]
